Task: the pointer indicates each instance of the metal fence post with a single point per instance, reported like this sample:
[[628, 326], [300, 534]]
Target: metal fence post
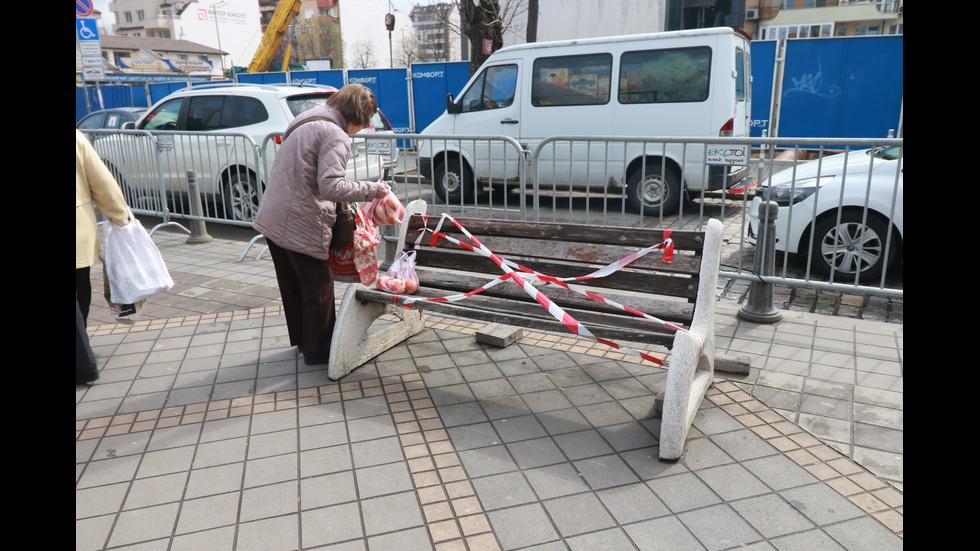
[[759, 307], [199, 231]]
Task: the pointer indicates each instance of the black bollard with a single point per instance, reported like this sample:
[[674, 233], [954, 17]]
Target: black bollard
[[759, 307]]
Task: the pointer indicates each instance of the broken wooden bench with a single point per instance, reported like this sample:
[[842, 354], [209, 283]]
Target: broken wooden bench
[[680, 293]]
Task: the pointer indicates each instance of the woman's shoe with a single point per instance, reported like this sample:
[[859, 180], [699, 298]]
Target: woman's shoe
[[86, 377]]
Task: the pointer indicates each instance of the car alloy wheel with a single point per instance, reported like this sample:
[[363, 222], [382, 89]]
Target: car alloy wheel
[[852, 248]]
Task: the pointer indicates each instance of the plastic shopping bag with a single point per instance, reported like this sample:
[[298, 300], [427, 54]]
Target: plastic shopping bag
[[342, 264], [400, 278], [386, 210], [122, 313], [134, 265], [366, 242]]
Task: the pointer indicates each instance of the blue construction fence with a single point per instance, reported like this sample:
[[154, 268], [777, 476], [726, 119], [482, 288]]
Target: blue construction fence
[[848, 87]]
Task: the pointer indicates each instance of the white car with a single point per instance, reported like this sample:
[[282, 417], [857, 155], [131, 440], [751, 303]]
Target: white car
[[845, 210], [228, 135]]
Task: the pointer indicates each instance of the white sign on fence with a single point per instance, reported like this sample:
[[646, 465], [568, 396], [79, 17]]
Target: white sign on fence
[[729, 155]]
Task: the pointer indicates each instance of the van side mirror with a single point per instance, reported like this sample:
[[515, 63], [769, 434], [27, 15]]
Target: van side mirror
[[128, 125], [451, 107]]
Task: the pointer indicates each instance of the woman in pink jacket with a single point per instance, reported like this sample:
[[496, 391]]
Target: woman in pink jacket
[[299, 208]]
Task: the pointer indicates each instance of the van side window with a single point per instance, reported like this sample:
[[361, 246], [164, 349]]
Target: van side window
[[740, 86], [665, 76], [571, 80], [493, 89]]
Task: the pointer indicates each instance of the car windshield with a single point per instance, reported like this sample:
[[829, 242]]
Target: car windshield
[[298, 104], [888, 153]]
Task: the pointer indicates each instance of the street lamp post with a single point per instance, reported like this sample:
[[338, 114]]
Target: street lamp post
[[217, 31]]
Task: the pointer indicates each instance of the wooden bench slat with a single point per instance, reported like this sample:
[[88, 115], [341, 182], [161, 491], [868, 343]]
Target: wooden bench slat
[[517, 249], [533, 316], [648, 282], [664, 308], [581, 233]]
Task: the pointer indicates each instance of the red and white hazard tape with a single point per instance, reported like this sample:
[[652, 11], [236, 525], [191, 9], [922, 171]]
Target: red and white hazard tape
[[525, 275]]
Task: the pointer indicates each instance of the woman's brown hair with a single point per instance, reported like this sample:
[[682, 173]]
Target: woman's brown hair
[[355, 102]]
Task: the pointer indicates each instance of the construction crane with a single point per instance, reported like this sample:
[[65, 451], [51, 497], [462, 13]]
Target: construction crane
[[277, 28]]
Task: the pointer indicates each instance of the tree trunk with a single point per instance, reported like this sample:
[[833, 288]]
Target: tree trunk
[[481, 22]]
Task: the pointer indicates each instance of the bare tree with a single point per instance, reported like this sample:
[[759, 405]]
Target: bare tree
[[319, 38], [409, 50], [363, 55]]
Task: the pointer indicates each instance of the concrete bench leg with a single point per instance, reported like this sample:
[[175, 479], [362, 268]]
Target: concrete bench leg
[[692, 360], [688, 379], [353, 345]]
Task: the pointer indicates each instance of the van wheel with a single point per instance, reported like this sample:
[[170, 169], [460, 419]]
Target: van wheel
[[453, 182], [241, 197], [653, 191]]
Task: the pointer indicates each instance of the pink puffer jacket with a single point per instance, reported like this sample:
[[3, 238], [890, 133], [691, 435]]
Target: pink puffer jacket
[[298, 207]]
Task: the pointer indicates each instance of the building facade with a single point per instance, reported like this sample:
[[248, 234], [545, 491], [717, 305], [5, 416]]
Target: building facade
[[779, 19], [231, 26]]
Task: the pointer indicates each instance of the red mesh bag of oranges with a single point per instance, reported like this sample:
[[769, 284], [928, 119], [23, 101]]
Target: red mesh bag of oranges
[[386, 210]]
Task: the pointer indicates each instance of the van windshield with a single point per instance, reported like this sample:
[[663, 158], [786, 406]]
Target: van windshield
[[493, 89]]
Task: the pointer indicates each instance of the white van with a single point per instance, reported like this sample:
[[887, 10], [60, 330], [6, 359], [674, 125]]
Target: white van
[[693, 83]]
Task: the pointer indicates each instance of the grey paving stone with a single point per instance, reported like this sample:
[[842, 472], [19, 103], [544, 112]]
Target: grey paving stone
[[391, 513], [328, 525], [269, 501], [279, 532], [145, 524], [537, 452], [632, 503], [771, 515], [614, 538], [732, 482], [208, 512], [865, 534], [555, 480], [578, 514], [503, 490], [214, 480], [328, 489], [104, 500], [487, 461], [821, 504], [582, 444], [522, 526], [718, 527], [662, 534], [605, 471], [683, 492], [382, 479]]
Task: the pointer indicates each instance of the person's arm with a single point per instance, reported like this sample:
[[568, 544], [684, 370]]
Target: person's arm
[[332, 172], [106, 193]]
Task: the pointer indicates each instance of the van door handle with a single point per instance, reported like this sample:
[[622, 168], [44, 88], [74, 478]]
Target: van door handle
[[509, 121]]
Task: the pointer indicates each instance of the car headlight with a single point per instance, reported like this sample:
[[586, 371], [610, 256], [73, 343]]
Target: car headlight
[[792, 193]]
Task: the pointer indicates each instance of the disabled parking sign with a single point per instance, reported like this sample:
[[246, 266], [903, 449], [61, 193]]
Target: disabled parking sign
[[86, 29]]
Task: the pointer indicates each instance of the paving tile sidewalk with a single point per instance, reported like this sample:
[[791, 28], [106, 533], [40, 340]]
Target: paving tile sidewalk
[[206, 432]]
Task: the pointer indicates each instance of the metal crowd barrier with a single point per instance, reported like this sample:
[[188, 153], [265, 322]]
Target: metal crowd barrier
[[498, 177]]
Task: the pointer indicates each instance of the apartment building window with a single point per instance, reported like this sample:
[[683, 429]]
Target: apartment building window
[[140, 15], [128, 17], [814, 30]]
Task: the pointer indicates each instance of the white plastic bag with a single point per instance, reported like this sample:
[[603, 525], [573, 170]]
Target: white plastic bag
[[133, 263], [400, 279]]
